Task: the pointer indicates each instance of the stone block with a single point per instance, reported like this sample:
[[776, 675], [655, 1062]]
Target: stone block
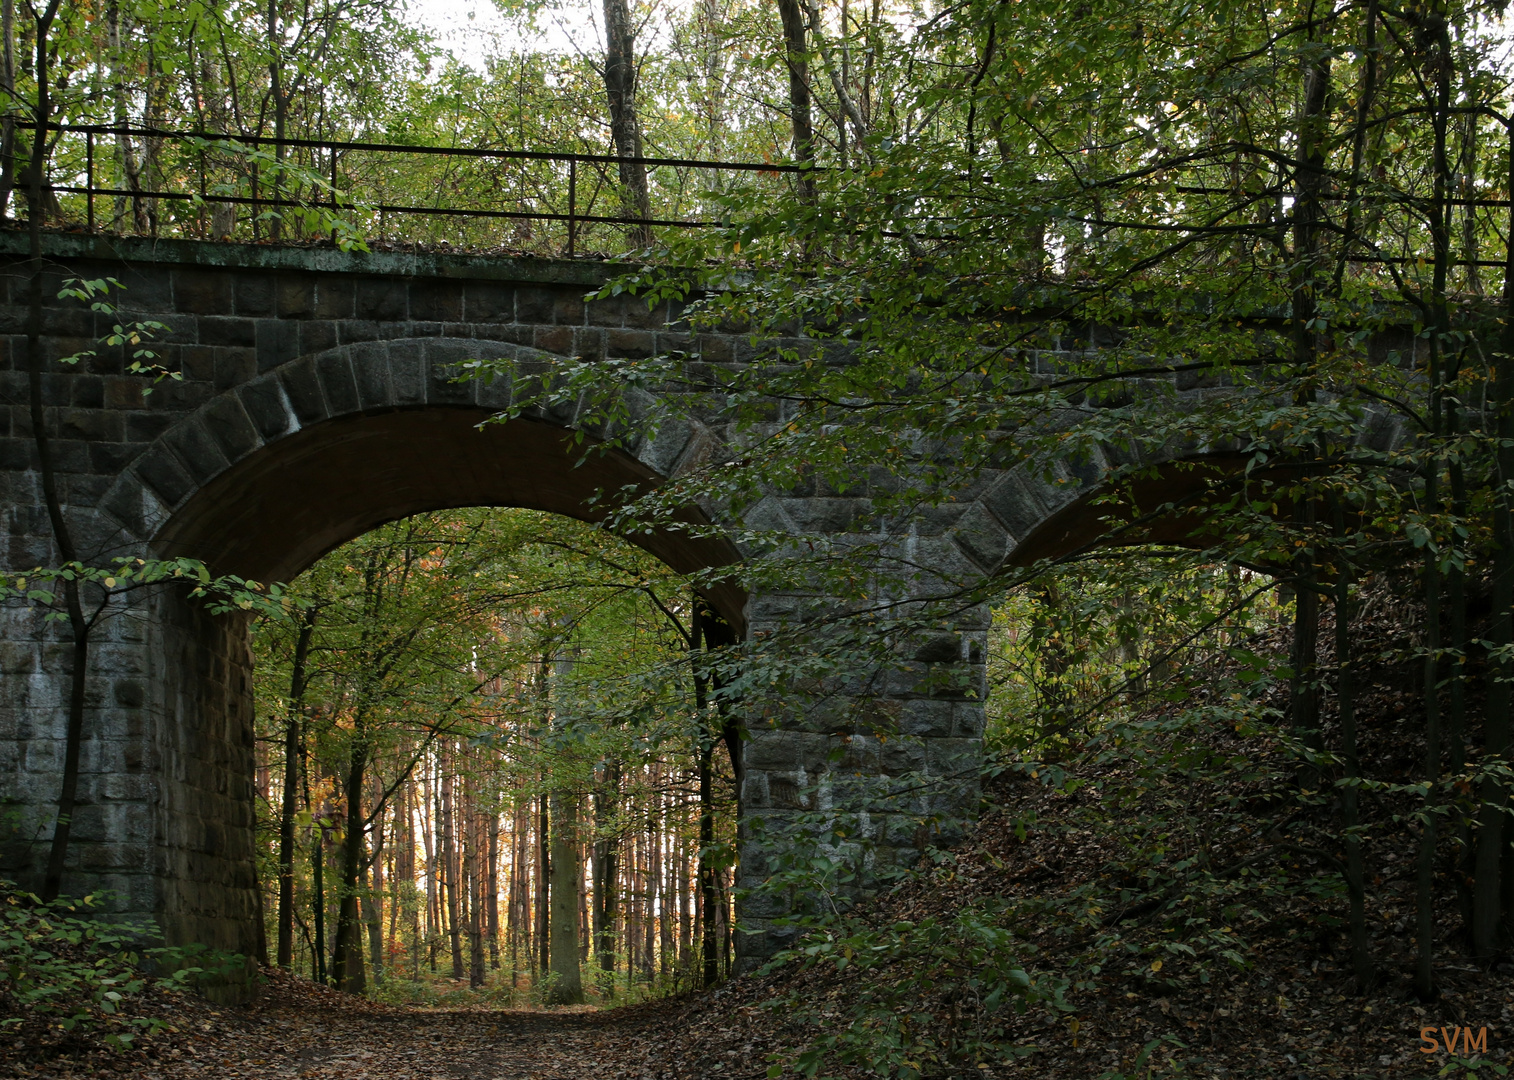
[[382, 299], [195, 447], [630, 344], [436, 301], [370, 371], [335, 297], [316, 336], [535, 305], [553, 339], [302, 389], [609, 312], [568, 308], [253, 295], [234, 366], [662, 451], [588, 342], [107, 459], [265, 404], [201, 292], [231, 427], [984, 540], [228, 330], [337, 382], [197, 362], [925, 717], [162, 472], [968, 720], [485, 301], [408, 372], [638, 314], [444, 359], [494, 393], [953, 757], [349, 331]]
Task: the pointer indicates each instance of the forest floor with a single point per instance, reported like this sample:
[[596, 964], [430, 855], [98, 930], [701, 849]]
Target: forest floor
[[298, 1029]]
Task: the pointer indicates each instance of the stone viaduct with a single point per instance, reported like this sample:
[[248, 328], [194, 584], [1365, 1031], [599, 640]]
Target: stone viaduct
[[316, 403]]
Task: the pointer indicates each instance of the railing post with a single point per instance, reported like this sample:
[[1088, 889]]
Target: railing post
[[333, 197], [203, 230], [89, 180], [255, 215], [572, 203]]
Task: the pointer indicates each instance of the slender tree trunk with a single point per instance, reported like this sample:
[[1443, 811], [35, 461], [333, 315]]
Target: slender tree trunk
[[1308, 214], [373, 917], [625, 125], [318, 885], [8, 124], [492, 896], [79, 626], [566, 876], [347, 954], [292, 767], [543, 887], [280, 110], [707, 886], [796, 58], [450, 864], [606, 873], [472, 874], [1424, 977]]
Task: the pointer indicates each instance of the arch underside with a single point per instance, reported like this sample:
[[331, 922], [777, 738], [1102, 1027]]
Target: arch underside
[[1185, 486], [279, 507]]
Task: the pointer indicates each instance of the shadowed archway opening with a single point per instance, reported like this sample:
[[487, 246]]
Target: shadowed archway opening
[[275, 512]]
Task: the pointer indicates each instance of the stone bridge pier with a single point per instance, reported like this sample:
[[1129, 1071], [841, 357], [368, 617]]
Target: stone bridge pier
[[317, 402]]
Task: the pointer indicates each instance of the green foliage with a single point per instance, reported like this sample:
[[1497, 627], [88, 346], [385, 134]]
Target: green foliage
[[525, 658], [126, 575], [72, 966]]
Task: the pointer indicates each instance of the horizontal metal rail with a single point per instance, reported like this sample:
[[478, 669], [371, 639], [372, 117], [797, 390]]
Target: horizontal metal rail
[[441, 151], [337, 201]]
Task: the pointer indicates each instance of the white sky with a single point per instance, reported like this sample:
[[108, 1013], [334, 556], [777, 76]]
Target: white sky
[[474, 29]]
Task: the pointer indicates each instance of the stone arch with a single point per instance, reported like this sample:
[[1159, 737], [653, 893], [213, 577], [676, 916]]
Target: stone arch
[[263, 479], [1018, 516], [268, 476]]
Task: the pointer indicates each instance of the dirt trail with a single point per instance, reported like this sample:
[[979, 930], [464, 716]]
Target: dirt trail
[[295, 1029]]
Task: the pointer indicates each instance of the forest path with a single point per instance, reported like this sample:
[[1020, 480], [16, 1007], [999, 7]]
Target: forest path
[[296, 1029]]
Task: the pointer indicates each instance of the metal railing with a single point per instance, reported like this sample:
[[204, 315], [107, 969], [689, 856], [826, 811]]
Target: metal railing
[[260, 188]]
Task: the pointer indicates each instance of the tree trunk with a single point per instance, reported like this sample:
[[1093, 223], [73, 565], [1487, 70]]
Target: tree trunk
[[347, 953], [318, 885], [79, 626], [606, 873], [625, 126], [543, 887], [566, 876], [1440, 218], [473, 875], [491, 896], [8, 124], [796, 58], [288, 807], [449, 865]]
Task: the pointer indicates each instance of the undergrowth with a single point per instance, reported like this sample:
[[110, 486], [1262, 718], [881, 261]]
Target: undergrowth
[[72, 975]]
